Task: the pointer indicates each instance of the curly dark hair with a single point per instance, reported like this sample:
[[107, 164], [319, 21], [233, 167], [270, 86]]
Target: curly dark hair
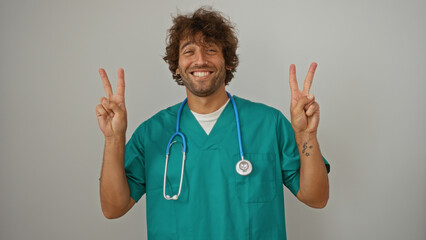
[[214, 29]]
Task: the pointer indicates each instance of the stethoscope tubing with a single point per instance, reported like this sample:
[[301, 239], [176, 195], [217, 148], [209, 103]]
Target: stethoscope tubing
[[237, 120], [180, 134], [177, 133]]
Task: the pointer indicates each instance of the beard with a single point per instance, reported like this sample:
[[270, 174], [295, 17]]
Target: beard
[[205, 87]]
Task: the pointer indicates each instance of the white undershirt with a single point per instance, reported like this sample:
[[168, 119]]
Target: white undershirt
[[207, 121]]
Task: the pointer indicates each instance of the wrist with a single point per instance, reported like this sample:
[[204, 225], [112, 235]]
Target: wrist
[[115, 139], [305, 136]]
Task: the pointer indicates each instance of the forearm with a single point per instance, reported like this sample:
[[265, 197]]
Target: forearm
[[314, 189], [114, 189]]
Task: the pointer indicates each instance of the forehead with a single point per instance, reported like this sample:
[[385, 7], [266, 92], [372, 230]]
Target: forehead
[[199, 40]]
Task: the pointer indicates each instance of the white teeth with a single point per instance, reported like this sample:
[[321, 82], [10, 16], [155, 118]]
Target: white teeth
[[201, 74]]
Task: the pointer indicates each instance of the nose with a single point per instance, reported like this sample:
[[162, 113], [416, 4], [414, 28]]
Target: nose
[[200, 58]]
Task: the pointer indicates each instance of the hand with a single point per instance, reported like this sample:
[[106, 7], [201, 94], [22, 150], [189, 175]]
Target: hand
[[304, 110], [111, 112]]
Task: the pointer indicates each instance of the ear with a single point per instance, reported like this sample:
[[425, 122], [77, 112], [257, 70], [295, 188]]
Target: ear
[[177, 71], [228, 68]]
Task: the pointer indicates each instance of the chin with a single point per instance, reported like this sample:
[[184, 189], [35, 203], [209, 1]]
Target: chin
[[201, 93]]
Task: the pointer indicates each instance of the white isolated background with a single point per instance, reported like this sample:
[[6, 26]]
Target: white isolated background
[[370, 84]]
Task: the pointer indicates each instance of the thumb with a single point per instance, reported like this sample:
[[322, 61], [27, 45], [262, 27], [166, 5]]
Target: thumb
[[303, 102], [116, 109]]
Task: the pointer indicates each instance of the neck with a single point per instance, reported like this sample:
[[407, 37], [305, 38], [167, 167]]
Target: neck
[[208, 104]]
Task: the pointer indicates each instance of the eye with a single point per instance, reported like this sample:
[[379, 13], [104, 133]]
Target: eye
[[187, 51], [211, 51]]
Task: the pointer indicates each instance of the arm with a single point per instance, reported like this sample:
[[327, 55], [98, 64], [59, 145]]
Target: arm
[[314, 188], [313, 173], [112, 119], [114, 189]]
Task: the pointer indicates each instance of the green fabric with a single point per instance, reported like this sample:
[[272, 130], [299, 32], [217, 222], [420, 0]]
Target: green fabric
[[215, 202]]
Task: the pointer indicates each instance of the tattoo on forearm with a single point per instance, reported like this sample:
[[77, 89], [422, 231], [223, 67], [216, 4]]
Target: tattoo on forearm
[[305, 149]]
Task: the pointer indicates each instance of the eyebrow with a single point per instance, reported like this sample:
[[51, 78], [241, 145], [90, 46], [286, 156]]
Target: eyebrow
[[186, 44], [192, 42]]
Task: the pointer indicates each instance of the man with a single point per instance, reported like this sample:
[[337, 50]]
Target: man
[[214, 194]]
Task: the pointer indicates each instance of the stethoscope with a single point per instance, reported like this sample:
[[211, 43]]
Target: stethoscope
[[243, 167]]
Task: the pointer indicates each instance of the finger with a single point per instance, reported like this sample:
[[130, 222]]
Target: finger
[[105, 105], [112, 107], [120, 85], [116, 109], [100, 111], [309, 78], [315, 118], [314, 107], [105, 82], [293, 81], [303, 101], [308, 105], [102, 115], [312, 102]]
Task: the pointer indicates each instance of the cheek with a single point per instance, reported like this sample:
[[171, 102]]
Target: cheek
[[218, 62], [182, 65]]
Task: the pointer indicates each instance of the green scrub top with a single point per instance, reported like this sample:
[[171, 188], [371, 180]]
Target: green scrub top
[[215, 202]]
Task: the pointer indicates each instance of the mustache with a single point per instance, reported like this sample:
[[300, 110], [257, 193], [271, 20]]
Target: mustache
[[204, 67]]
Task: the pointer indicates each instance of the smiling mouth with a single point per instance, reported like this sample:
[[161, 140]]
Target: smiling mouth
[[201, 73]]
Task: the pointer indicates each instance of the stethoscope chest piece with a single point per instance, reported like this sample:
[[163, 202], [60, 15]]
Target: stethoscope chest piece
[[244, 167]]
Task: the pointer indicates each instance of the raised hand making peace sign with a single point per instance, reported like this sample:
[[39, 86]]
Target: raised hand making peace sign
[[111, 112], [304, 110]]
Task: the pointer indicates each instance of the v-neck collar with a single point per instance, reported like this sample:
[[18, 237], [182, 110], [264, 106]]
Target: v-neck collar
[[195, 133]]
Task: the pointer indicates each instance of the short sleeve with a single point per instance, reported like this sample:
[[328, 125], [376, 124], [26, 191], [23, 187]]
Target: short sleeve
[[289, 154], [134, 164]]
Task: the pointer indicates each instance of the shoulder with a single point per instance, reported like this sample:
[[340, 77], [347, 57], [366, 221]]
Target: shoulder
[[161, 119], [165, 114]]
